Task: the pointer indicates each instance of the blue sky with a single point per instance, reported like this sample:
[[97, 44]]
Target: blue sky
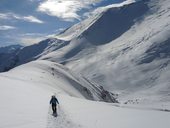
[[29, 21]]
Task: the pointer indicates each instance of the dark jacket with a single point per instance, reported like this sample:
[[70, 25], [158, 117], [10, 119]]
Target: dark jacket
[[54, 100]]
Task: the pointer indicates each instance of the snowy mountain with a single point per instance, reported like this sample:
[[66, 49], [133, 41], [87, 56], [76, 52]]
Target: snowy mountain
[[123, 47], [121, 52]]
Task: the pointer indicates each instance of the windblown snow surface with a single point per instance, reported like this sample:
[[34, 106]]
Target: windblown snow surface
[[124, 48]]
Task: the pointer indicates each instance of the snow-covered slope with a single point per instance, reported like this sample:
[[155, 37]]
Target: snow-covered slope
[[78, 29], [124, 48], [59, 78], [25, 93]]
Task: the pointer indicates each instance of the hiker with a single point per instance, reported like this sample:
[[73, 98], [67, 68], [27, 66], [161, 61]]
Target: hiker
[[54, 103]]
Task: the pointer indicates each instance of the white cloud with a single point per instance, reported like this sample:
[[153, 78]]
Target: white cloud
[[33, 38], [29, 18], [30, 40], [65, 9], [4, 16], [6, 27], [35, 0], [32, 19]]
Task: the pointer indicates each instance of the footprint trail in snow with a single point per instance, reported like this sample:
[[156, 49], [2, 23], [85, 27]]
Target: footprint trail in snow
[[61, 121]]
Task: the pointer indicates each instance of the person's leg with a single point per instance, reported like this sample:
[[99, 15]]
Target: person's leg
[[53, 108]]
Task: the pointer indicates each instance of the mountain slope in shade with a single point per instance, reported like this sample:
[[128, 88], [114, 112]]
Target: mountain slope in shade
[[8, 56], [9, 49]]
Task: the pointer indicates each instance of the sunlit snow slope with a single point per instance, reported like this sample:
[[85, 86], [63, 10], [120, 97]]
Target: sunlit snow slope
[[125, 49], [25, 93]]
